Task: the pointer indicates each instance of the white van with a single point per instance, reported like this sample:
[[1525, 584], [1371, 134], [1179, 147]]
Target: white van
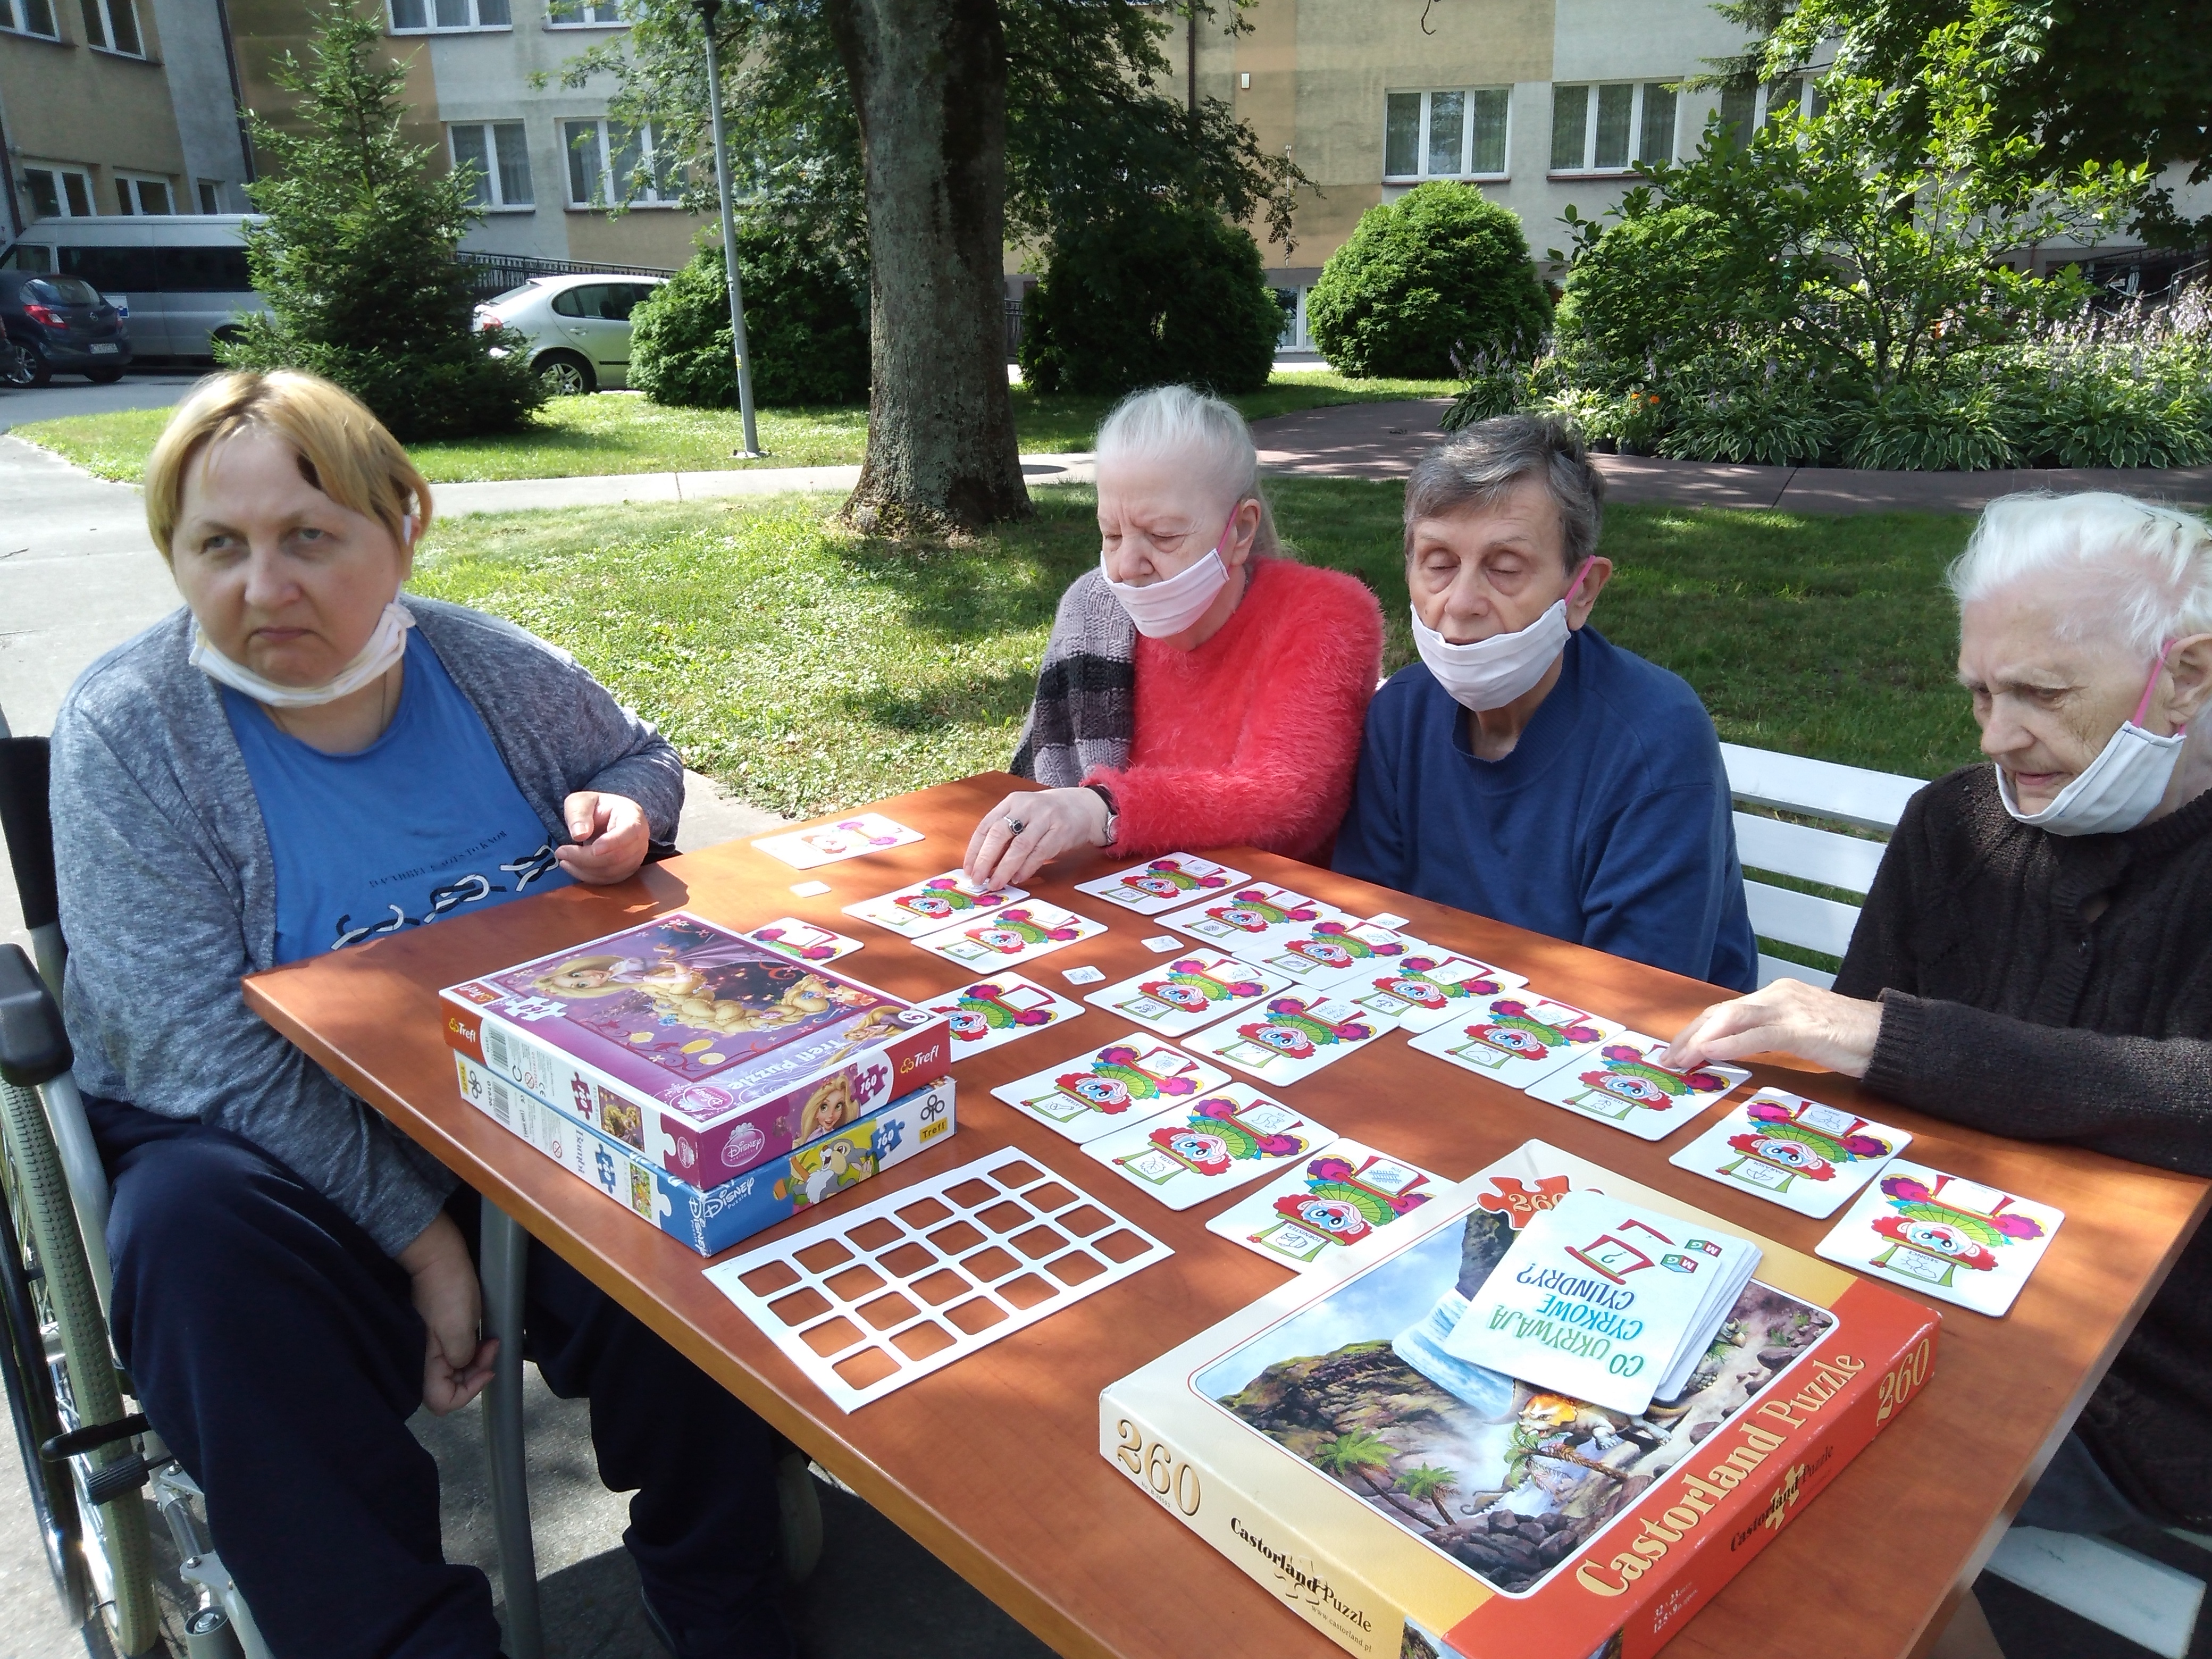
[[180, 277]]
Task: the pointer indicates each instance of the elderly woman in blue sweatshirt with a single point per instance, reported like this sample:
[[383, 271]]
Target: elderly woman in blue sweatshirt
[[299, 760], [1525, 767]]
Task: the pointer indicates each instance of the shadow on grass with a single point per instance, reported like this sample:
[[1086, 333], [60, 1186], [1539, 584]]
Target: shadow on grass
[[1009, 581], [1001, 697]]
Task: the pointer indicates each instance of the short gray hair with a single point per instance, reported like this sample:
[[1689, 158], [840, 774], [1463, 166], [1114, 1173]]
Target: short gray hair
[[2144, 570], [1183, 424], [1477, 466]]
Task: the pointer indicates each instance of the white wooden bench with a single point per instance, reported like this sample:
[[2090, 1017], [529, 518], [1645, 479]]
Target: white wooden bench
[[1808, 788]]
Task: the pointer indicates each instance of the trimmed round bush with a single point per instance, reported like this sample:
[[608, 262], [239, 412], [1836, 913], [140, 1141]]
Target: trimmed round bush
[[1168, 293], [1649, 294], [807, 322], [1441, 273]]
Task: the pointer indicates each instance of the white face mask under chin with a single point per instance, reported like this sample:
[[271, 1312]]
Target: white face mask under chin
[[2118, 789], [1165, 608], [387, 643], [1490, 673]]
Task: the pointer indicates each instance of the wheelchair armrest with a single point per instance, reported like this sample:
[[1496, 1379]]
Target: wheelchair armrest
[[34, 1047]]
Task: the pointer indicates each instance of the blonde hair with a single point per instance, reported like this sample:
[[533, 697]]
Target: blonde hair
[[2144, 568], [344, 451], [1180, 423]]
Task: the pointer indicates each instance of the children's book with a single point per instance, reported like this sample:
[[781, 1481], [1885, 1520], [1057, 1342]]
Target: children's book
[[1343, 1197], [1624, 1085], [1517, 1038], [829, 843], [929, 907], [1793, 1151], [802, 941], [1128, 1081], [1161, 884], [1944, 1237], [1011, 936], [1426, 988], [1176, 997], [1234, 1134], [994, 1012]]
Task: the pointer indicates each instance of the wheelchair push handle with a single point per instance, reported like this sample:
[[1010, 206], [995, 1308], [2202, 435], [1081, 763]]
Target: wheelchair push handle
[[34, 1048]]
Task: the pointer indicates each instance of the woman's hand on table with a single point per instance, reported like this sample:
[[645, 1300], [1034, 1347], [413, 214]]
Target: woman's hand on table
[[1025, 832], [1787, 1016], [609, 837], [456, 1364]]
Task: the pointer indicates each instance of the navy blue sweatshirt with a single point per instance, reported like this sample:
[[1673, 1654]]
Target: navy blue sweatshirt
[[1609, 824]]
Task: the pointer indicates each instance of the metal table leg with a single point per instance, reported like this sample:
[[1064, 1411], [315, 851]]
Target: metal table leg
[[505, 1246]]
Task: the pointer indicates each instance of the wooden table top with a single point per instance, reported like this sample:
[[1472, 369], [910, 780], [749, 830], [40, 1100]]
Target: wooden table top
[[993, 1462]]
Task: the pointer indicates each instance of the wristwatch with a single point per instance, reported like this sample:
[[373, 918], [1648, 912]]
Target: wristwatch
[[1113, 813]]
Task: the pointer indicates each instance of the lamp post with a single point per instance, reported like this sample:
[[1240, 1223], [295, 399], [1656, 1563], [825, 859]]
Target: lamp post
[[708, 9]]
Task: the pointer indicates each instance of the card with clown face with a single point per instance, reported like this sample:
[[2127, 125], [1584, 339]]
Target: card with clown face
[[1425, 987], [1943, 1236], [1288, 1038], [1793, 1151], [1188, 991], [1325, 1205], [1624, 1085], [1517, 1037], [1249, 917], [1162, 884], [1231, 1135], [994, 1012], [930, 907], [1127, 1081], [1340, 948], [1009, 936], [846, 838], [803, 941]]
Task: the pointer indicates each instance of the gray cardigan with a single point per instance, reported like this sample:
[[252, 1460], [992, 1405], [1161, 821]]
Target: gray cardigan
[[168, 891]]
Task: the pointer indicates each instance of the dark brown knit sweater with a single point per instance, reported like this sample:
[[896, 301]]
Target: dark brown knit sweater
[[2001, 1008]]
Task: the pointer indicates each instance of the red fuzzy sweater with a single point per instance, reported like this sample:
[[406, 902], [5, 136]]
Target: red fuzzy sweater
[[1254, 737]]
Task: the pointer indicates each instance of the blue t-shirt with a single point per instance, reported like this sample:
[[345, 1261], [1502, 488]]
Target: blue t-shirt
[[1609, 825], [425, 821]]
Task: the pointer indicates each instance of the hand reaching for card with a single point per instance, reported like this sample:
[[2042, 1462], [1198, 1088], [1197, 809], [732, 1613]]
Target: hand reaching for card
[[1787, 1016], [1025, 832]]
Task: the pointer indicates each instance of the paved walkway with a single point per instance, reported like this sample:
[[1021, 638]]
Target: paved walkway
[[531, 495]]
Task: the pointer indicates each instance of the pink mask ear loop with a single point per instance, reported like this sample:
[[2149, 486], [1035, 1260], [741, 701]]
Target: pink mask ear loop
[[1575, 587], [2156, 669]]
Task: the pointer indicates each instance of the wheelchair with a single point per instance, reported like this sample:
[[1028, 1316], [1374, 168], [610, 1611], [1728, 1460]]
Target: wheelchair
[[91, 1460]]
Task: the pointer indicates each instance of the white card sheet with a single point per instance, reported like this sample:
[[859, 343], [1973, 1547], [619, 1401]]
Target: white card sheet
[[846, 838], [1011, 936], [1286, 1039], [1943, 1236], [1424, 988], [1624, 1085], [1323, 1206], [1178, 996], [1249, 917], [1337, 949], [1793, 1151], [1163, 884], [1517, 1037], [1233, 1135], [929, 907], [994, 1012], [1132, 1079], [803, 940]]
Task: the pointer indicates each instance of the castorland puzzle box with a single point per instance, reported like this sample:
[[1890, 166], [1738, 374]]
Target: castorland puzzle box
[[707, 1053], [1405, 1503]]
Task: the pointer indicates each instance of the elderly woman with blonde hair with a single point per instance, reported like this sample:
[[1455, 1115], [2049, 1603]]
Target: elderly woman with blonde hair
[[2035, 958], [301, 758], [1202, 688]]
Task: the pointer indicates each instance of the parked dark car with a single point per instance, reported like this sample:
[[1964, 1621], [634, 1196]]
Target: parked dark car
[[65, 326]]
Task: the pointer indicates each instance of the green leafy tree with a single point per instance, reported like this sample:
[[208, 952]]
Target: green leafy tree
[[1428, 281], [356, 256], [1357, 1453], [1428, 1485]]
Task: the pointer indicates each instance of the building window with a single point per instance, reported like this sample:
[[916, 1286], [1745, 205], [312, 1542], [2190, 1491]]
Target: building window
[[59, 192], [586, 14], [1745, 108], [141, 195], [495, 149], [1459, 134], [29, 17], [434, 16], [210, 191], [112, 25], [611, 162], [1608, 128]]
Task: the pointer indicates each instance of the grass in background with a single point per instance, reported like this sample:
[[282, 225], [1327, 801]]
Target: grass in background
[[807, 669], [622, 432]]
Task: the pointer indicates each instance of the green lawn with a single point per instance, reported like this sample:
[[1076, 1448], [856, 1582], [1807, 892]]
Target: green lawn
[[621, 432], [807, 669]]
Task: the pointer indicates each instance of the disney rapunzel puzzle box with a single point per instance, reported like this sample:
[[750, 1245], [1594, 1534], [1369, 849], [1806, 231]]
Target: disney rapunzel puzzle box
[[1405, 1502], [703, 1050]]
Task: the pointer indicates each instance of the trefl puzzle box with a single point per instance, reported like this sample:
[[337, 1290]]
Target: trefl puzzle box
[[703, 1051], [1405, 1503]]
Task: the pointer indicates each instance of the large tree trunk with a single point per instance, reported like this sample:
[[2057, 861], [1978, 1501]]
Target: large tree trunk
[[929, 80]]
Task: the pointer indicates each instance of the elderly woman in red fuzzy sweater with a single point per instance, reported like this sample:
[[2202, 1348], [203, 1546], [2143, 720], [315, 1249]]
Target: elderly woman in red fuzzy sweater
[[1202, 688]]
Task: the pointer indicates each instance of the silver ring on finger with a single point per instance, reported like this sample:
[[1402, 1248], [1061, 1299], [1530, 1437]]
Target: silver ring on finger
[[1014, 826]]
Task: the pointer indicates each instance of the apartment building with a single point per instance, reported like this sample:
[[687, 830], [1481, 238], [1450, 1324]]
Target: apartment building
[[117, 107]]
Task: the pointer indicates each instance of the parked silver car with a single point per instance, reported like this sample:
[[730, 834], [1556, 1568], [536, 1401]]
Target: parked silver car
[[578, 327]]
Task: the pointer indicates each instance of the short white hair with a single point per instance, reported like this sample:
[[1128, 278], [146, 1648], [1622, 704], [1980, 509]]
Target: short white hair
[[2144, 570], [1183, 424]]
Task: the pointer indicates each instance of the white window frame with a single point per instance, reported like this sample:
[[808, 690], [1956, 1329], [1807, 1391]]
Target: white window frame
[[650, 135], [1466, 136], [1589, 169], [431, 23], [621, 18], [106, 12], [18, 17], [136, 181], [494, 188], [208, 193], [59, 172], [1762, 99]]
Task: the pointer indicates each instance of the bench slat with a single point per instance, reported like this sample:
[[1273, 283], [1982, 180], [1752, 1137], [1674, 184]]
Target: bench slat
[[1816, 924], [1773, 967], [1790, 783], [1809, 854]]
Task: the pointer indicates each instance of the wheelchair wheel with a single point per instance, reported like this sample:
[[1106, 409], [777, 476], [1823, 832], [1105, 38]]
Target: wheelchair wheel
[[79, 1370], [37, 1417]]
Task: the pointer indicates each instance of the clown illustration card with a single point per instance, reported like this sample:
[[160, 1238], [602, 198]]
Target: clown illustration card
[[1796, 1153], [826, 843], [803, 941], [1624, 1085], [1162, 884], [1338, 948], [1325, 1205], [930, 907], [995, 1011], [1229, 1136], [1245, 919], [1181, 994], [1944, 1237], [1517, 1038], [1286, 1039], [1011, 935], [1128, 1081], [1425, 987]]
